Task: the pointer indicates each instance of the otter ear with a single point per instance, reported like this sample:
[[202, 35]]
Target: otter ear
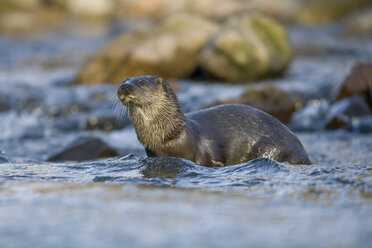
[[158, 81]]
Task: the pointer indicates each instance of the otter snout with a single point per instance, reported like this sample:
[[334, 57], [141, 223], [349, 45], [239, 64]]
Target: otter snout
[[125, 90]]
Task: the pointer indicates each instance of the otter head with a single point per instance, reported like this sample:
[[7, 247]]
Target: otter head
[[147, 92], [153, 108], [140, 91]]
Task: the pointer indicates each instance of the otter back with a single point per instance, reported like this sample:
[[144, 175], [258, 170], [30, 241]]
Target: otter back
[[233, 133]]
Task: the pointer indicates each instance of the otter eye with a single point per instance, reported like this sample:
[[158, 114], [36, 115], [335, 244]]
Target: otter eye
[[141, 82], [158, 81]]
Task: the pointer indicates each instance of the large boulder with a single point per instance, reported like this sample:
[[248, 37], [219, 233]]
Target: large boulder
[[170, 50], [270, 99], [247, 47]]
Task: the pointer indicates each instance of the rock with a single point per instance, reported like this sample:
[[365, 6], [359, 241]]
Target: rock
[[246, 48], [362, 124], [170, 50], [340, 121], [341, 113], [357, 82], [269, 99], [359, 23], [84, 149]]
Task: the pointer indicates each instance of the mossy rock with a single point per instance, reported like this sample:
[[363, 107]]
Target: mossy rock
[[247, 48], [170, 50], [270, 99]]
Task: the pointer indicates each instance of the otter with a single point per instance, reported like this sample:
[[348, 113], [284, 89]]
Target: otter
[[219, 136]]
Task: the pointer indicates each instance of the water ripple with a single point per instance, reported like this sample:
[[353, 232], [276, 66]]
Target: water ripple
[[272, 177]]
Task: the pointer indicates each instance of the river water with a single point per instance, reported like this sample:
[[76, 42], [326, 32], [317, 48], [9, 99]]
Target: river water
[[134, 201]]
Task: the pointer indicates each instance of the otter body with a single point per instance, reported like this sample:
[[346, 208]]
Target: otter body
[[219, 136]]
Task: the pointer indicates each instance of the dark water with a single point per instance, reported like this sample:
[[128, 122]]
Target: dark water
[[132, 201]]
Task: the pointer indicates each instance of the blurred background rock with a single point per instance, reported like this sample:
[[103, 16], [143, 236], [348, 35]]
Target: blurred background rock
[[311, 12], [184, 38]]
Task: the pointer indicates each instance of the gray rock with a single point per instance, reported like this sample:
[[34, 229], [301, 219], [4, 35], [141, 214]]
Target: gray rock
[[357, 82], [81, 149]]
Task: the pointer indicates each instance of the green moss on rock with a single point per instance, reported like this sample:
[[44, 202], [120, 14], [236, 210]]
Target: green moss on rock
[[246, 48]]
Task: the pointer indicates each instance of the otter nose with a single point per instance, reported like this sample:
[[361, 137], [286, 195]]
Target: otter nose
[[125, 89]]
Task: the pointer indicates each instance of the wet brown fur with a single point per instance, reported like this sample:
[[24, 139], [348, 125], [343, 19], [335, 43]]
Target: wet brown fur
[[220, 136]]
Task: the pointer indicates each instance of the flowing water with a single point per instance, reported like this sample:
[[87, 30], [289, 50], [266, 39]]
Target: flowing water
[[132, 201]]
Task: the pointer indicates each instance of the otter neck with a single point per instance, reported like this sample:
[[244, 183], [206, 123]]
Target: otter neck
[[158, 123]]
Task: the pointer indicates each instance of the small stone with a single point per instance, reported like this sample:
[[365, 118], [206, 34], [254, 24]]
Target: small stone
[[357, 82], [340, 121]]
